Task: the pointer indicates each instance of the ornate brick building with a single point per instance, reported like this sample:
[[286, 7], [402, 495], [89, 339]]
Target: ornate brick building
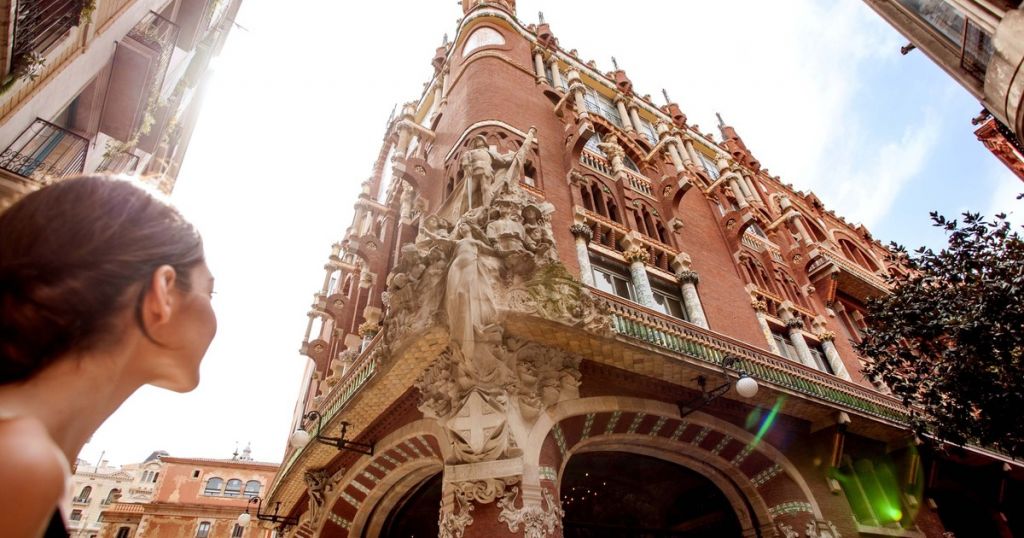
[[102, 86], [551, 296], [192, 497]]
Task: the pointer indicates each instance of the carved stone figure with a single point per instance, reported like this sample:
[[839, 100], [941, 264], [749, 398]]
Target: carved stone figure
[[453, 524], [614, 152], [318, 485], [537, 521]]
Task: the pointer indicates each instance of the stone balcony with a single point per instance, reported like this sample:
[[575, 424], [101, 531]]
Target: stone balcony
[[851, 278]]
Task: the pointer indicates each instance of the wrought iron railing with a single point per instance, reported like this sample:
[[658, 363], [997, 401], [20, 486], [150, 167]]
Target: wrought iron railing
[[39, 24], [637, 323], [154, 31], [45, 151], [119, 163]]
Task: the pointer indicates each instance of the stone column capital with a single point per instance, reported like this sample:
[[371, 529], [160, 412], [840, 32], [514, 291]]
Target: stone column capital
[[636, 254], [688, 276], [581, 230], [759, 305], [794, 323], [826, 336]]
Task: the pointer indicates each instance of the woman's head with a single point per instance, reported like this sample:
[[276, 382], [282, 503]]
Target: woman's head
[[86, 261]]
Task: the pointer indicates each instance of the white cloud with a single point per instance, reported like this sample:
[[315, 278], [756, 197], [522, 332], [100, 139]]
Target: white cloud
[[868, 191]]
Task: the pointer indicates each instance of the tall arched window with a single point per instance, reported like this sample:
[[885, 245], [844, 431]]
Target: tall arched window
[[84, 495], [756, 274], [214, 486], [233, 488], [481, 38], [252, 488]]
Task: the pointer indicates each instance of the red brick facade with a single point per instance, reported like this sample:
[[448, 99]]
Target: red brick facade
[[772, 267]]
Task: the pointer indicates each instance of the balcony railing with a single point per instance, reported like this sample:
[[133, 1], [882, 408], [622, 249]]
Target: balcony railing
[[773, 302], [154, 31], [759, 244], [361, 371], [45, 151], [608, 233], [636, 323], [81, 500], [119, 163], [634, 180], [40, 24], [875, 284]]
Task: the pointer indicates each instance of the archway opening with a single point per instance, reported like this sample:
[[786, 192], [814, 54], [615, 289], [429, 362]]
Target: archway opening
[[415, 515], [624, 495]]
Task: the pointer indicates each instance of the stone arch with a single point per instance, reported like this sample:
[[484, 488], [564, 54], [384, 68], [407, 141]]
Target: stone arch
[[401, 460], [656, 427]]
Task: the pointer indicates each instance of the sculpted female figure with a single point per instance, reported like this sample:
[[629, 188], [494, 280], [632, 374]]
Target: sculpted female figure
[[103, 289], [472, 279]]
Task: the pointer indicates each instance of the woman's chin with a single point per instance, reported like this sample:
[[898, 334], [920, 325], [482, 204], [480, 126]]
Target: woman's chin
[[178, 385]]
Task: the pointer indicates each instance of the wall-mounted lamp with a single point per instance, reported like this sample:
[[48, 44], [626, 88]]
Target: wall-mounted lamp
[[301, 437], [746, 386], [283, 521]]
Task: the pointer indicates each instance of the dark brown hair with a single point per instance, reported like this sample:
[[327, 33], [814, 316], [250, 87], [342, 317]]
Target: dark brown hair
[[70, 255]]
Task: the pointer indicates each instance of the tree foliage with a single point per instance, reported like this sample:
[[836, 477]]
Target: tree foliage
[[949, 340]]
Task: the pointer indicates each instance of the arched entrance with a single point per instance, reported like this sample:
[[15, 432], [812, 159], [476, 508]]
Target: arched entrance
[[415, 515], [623, 495]]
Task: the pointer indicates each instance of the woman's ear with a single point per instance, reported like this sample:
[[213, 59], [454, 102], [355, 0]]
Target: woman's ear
[[158, 301]]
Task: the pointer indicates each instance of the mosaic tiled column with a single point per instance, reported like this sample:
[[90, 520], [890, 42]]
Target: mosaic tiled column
[[832, 354], [694, 310], [637, 258], [795, 326], [583, 235]]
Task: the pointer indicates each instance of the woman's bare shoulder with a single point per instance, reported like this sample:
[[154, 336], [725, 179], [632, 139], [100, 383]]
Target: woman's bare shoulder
[[32, 471]]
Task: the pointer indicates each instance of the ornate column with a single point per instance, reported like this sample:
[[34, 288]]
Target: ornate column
[[620, 103], [688, 279], [734, 185], [832, 354], [583, 235], [634, 117], [556, 73], [761, 311], [538, 63], [637, 256], [578, 89], [755, 196], [795, 326], [404, 130], [691, 153]]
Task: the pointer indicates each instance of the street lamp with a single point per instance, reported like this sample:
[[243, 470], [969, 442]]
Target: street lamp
[[283, 521], [746, 386], [301, 437]]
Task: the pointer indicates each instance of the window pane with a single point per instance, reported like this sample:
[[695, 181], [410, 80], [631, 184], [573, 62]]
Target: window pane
[[233, 488], [204, 530], [669, 305], [604, 281], [822, 362], [623, 288]]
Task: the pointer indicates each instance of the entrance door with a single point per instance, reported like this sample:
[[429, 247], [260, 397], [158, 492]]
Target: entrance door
[[624, 495]]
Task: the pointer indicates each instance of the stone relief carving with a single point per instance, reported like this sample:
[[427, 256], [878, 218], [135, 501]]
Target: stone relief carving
[[484, 491], [453, 524], [487, 253], [787, 531], [537, 521], [319, 484], [822, 529]]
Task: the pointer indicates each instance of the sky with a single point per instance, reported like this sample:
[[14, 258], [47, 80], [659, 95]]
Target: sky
[[295, 114]]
